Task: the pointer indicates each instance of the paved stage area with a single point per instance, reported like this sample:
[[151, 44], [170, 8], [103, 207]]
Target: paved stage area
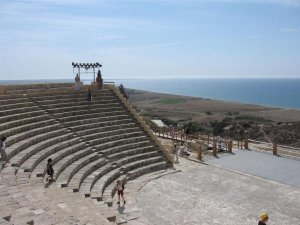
[[205, 194], [262, 164]]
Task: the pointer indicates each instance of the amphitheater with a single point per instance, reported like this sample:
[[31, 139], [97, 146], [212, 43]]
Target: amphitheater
[[92, 145]]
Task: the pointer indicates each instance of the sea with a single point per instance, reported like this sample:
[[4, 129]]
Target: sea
[[274, 92]]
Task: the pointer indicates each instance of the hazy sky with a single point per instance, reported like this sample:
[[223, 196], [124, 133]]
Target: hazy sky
[[150, 38]]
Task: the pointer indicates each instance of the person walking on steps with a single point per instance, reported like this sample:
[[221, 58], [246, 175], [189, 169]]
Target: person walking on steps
[[176, 152], [50, 170], [120, 189], [89, 96], [2, 150], [263, 218]]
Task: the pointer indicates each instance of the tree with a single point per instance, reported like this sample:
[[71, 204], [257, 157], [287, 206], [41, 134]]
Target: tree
[[122, 91]]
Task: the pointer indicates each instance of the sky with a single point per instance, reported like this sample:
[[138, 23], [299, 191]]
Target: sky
[[150, 38]]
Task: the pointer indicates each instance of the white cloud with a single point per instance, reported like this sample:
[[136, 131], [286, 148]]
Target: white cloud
[[290, 30]]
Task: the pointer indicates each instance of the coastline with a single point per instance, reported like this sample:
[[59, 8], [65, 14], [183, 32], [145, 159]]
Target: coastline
[[183, 107]]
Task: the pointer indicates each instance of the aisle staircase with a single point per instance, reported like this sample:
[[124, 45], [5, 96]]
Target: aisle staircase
[[92, 144]]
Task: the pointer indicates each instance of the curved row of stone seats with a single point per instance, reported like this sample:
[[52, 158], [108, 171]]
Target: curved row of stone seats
[[25, 149], [110, 190], [134, 147], [18, 110], [129, 164], [12, 97], [57, 95], [41, 156], [23, 121], [58, 156], [88, 137], [103, 116], [15, 105], [89, 128], [33, 113], [86, 171], [120, 146], [83, 102], [75, 97], [37, 88], [16, 134], [64, 176]]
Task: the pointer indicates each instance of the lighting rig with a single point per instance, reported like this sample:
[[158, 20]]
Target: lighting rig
[[87, 67]]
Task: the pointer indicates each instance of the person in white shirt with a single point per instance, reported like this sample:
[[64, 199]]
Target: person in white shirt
[[2, 150]]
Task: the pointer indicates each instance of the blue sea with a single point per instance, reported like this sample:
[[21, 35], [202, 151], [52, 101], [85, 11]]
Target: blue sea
[[269, 92]]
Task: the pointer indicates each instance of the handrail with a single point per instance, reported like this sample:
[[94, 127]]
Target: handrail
[[140, 121]]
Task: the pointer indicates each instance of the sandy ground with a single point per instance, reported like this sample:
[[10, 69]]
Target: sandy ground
[[182, 107]]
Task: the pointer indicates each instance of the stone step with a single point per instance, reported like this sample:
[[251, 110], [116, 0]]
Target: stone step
[[18, 110], [23, 121], [123, 148], [39, 86], [89, 181], [61, 159], [39, 91], [12, 98], [12, 117], [76, 181], [130, 164], [113, 137], [65, 94], [106, 127], [19, 130], [99, 186], [72, 169], [132, 151], [11, 106], [119, 142], [136, 157], [146, 169], [72, 103], [72, 98], [50, 99], [66, 161], [97, 120], [91, 105], [33, 161], [15, 100], [52, 139], [94, 138], [30, 133], [83, 128], [41, 138], [83, 111], [91, 115]]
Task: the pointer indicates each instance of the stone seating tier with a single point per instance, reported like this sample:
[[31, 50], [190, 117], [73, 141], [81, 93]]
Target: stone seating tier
[[97, 120], [20, 122], [19, 146], [92, 144], [92, 115], [57, 137], [18, 110], [50, 152], [86, 128], [39, 170], [13, 132], [12, 117], [45, 127]]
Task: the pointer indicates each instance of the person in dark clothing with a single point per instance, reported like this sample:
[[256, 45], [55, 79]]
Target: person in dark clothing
[[50, 170], [263, 218], [89, 97]]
